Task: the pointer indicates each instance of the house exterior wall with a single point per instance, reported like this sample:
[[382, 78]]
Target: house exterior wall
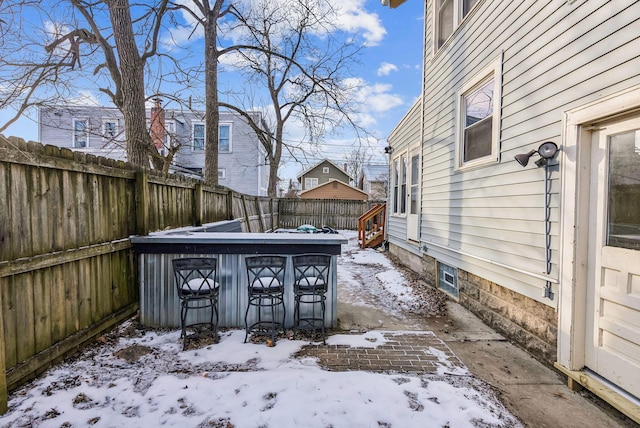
[[242, 168], [334, 190], [333, 173], [489, 221], [406, 135]]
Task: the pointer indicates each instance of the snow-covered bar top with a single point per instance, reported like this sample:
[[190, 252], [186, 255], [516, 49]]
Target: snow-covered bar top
[[159, 305]]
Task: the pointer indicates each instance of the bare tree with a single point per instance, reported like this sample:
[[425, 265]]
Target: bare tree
[[121, 59], [356, 159], [290, 51]]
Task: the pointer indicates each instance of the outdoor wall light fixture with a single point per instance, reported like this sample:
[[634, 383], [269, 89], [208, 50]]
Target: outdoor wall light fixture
[[546, 151], [388, 149]]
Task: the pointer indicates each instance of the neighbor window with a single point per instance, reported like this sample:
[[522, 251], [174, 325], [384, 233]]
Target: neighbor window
[[198, 136], [80, 133], [325, 170], [448, 16], [478, 121], [110, 128], [170, 133], [224, 138], [310, 182], [222, 173]]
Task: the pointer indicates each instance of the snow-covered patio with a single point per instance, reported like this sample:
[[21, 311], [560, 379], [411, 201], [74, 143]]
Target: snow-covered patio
[[140, 377]]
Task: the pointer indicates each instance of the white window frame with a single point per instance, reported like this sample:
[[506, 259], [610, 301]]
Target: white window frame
[[325, 170], [86, 132], [399, 189], [222, 173], [230, 139], [458, 19], [310, 182], [105, 133], [492, 71], [193, 135], [170, 138]]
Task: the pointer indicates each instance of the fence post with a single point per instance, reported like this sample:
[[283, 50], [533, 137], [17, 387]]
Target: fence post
[[230, 214], [4, 397], [142, 203], [246, 213], [198, 204]]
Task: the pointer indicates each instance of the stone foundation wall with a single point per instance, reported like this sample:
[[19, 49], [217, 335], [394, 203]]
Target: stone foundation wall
[[524, 321]]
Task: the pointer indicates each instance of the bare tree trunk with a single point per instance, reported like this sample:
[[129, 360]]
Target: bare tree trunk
[[212, 113], [133, 98]]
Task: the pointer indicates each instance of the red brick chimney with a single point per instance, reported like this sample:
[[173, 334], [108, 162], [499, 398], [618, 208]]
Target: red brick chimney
[[157, 129]]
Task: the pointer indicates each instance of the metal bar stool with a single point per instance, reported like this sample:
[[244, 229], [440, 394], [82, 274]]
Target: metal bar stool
[[265, 275], [311, 278], [198, 289]]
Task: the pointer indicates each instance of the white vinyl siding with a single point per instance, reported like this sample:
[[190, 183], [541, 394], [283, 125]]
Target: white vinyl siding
[[405, 135], [556, 55]]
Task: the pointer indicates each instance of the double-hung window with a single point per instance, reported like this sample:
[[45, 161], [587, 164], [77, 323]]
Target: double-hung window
[[478, 118], [310, 182], [80, 133], [197, 140], [448, 16], [224, 138]]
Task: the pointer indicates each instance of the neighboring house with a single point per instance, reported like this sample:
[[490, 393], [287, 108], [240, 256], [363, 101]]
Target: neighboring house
[[100, 131], [374, 180], [334, 189], [321, 173], [550, 256]]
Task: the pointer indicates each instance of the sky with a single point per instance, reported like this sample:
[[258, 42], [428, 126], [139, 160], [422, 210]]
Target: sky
[[390, 69], [252, 385]]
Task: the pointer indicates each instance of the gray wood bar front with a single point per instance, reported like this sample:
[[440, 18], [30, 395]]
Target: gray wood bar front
[[159, 305]]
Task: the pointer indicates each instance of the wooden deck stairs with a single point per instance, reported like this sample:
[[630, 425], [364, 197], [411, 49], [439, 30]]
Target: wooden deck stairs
[[371, 226]]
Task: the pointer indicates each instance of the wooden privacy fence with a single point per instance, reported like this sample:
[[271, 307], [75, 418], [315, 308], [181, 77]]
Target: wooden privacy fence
[[337, 214], [67, 269]]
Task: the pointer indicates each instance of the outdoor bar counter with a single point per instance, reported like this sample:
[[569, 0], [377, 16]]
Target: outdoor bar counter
[[159, 304]]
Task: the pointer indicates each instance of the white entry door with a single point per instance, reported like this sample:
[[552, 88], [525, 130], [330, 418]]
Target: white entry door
[[413, 196], [613, 293]]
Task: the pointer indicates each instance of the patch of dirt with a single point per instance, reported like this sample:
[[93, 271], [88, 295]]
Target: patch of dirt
[[432, 302]]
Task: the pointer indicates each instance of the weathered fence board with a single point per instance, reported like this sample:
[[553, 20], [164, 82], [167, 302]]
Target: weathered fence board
[[67, 270]]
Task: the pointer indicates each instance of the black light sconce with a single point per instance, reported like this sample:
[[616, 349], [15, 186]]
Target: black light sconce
[[546, 151], [388, 150]]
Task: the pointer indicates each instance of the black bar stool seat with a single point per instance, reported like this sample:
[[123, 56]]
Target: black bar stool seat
[[265, 276], [311, 278], [198, 290]]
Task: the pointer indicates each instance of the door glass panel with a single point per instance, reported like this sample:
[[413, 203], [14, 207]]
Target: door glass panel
[[623, 216]]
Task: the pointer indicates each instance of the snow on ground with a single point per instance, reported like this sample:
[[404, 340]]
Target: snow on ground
[[141, 377]]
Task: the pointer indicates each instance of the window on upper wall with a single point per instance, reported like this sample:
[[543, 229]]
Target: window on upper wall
[[222, 173], [325, 170], [197, 140], [448, 16], [109, 128], [80, 133], [224, 138], [478, 118]]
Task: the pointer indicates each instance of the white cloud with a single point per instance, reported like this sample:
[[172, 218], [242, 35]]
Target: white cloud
[[353, 17], [386, 68], [85, 98]]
